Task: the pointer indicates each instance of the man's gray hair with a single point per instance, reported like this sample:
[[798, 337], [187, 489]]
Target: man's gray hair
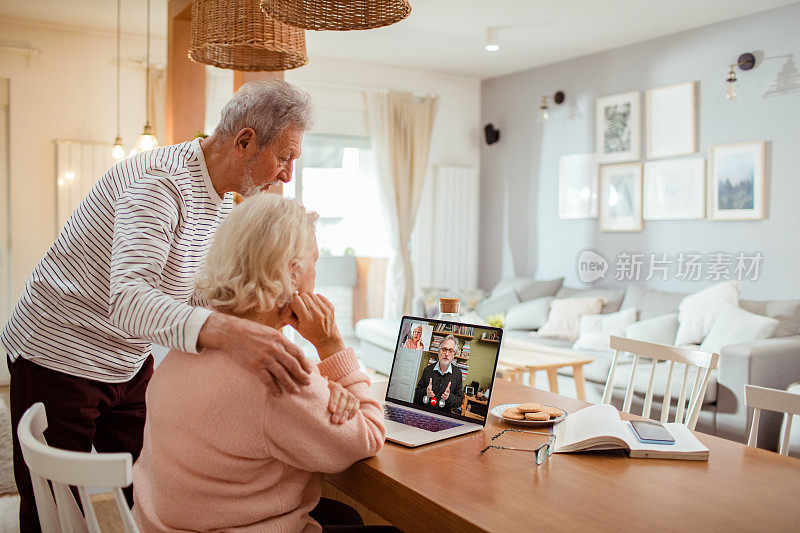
[[450, 337], [269, 107]]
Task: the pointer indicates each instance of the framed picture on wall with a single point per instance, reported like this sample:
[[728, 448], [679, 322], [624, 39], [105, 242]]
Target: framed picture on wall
[[736, 181], [577, 186], [670, 117], [621, 197], [675, 189], [618, 127]]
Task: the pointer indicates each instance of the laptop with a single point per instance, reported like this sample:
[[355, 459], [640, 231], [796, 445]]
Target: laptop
[[439, 379]]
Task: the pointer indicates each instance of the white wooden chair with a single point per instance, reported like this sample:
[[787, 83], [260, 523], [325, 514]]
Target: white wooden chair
[[64, 468], [772, 400], [703, 361]]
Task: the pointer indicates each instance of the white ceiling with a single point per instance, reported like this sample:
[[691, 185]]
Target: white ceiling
[[448, 35]]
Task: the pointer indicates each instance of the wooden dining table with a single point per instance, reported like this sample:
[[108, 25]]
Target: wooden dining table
[[450, 486]]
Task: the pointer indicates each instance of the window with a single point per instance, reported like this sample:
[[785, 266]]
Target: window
[[336, 177]]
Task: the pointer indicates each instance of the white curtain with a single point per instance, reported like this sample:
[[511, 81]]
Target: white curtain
[[400, 126]]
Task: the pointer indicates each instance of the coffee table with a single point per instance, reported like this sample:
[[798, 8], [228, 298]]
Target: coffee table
[[518, 357]]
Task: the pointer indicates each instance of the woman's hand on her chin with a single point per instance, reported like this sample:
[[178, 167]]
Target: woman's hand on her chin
[[313, 317]]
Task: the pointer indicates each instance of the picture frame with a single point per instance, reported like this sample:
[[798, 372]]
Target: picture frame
[[674, 189], [671, 121], [621, 197], [736, 181], [618, 127], [577, 186]]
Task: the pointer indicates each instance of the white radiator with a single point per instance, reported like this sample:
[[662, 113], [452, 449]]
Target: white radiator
[[79, 165], [445, 251]]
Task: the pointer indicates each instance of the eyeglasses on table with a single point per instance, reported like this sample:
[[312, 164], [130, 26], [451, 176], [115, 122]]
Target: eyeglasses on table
[[540, 454]]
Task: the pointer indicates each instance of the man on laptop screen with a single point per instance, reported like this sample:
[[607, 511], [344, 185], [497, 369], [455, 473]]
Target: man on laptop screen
[[439, 386]]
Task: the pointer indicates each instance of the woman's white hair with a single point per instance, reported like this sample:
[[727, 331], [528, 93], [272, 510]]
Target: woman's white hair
[[254, 260], [269, 107]]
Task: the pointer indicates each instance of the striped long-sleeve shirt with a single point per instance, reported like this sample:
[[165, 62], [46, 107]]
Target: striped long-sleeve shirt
[[120, 275]]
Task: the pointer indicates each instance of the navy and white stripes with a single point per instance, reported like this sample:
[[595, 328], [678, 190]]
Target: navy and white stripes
[[120, 275]]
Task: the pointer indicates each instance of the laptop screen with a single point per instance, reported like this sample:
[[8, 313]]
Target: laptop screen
[[445, 368]]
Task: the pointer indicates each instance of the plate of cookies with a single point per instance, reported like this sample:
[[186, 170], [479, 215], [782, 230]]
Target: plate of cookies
[[529, 414]]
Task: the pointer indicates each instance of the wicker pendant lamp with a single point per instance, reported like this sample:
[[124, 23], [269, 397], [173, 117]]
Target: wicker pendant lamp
[[236, 35], [339, 15]]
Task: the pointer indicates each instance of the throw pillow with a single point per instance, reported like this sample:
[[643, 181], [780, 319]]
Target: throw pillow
[[510, 283], [471, 317], [539, 289], [734, 325], [497, 303], [429, 299], [564, 319], [528, 315], [697, 312], [660, 329], [651, 303], [596, 330]]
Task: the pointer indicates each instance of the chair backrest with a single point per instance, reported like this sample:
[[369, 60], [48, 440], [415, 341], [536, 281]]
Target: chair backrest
[[704, 363], [772, 400], [63, 468]]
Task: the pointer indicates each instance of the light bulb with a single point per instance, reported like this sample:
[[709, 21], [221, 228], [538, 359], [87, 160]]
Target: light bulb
[[730, 85], [730, 90], [118, 152], [147, 140]]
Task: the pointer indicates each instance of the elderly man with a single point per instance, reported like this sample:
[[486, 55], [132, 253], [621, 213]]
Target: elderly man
[[120, 277], [439, 385]]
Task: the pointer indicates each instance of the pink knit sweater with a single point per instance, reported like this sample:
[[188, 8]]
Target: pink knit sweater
[[221, 453]]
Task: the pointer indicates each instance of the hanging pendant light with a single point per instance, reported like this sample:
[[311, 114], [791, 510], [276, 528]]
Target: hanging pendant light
[[147, 140], [118, 151], [338, 15], [236, 35]]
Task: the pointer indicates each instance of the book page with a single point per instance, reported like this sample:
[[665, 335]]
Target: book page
[[594, 422], [685, 443]]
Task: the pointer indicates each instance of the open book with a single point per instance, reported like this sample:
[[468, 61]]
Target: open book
[[599, 427]]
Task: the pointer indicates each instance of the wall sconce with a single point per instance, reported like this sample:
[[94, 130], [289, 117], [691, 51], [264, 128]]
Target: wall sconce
[[492, 39], [544, 109], [746, 61]]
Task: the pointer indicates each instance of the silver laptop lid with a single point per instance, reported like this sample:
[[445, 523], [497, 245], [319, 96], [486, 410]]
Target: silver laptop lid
[[446, 368]]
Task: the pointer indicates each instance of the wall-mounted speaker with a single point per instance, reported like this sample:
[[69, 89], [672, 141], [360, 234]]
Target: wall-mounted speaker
[[492, 135]]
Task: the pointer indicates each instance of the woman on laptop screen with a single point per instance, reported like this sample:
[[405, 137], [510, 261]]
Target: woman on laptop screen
[[220, 451]]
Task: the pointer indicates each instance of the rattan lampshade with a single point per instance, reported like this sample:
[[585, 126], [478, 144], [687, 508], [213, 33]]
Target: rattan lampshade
[[237, 35], [338, 15]]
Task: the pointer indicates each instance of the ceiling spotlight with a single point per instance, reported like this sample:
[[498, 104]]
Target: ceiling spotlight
[[492, 40], [544, 109]]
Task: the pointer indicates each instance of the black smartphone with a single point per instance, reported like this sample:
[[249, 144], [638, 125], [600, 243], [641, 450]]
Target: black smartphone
[[651, 432]]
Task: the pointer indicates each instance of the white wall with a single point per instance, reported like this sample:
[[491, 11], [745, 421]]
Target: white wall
[[67, 92], [337, 88]]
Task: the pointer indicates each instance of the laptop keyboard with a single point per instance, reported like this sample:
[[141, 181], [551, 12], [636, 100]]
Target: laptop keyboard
[[417, 420]]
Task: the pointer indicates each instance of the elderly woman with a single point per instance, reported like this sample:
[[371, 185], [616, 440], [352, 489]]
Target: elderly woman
[[414, 341], [221, 451]]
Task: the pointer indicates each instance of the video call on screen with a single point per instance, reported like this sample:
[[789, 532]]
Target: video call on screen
[[445, 367]]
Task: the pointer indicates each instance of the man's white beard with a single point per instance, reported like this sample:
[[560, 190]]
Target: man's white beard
[[249, 187]]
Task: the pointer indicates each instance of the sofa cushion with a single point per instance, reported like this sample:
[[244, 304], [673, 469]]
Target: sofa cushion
[[426, 304], [596, 330], [563, 322], [786, 311], [511, 283], [734, 326], [613, 297], [528, 315], [379, 331], [697, 312], [650, 303], [497, 303], [659, 329], [539, 289]]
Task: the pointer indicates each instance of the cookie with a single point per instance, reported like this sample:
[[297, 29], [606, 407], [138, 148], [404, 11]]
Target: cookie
[[553, 412], [540, 416], [513, 414], [530, 408]]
